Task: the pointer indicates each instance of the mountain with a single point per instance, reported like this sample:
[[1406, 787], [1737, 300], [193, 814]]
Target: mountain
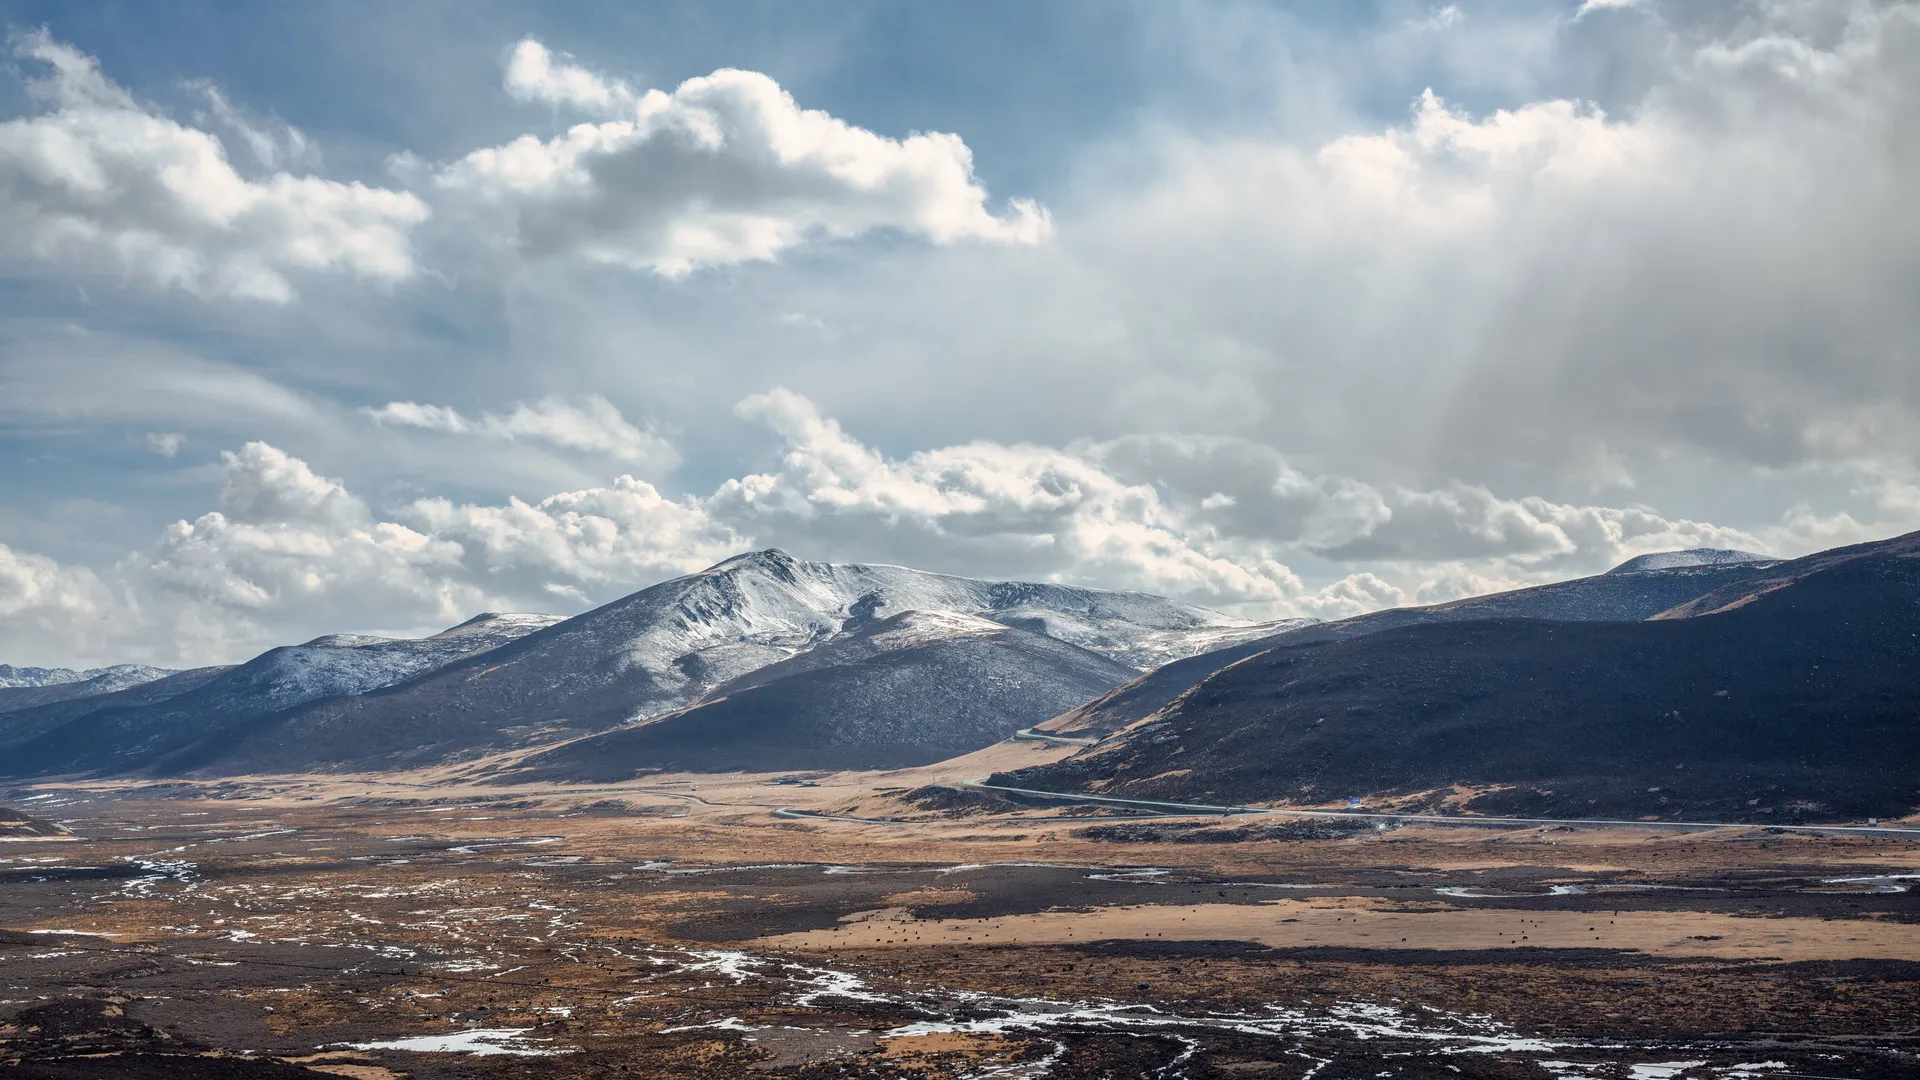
[[25, 687], [198, 708], [1625, 593], [27, 722], [910, 689], [679, 643], [28, 677], [659, 651], [1790, 695]]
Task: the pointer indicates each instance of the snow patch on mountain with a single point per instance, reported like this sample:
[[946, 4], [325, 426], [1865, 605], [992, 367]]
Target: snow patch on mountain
[[338, 665], [763, 606], [1692, 558]]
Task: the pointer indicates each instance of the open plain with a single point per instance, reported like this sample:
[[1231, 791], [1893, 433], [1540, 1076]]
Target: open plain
[[872, 924]]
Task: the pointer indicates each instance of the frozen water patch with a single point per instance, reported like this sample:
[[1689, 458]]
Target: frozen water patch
[[480, 1042], [1144, 873], [730, 1023], [964, 867], [1881, 883], [158, 870], [1474, 892], [1661, 1070], [971, 1012], [695, 870]]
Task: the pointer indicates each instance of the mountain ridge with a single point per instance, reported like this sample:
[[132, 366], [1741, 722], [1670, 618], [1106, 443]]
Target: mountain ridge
[[1611, 596], [650, 653], [1794, 701]]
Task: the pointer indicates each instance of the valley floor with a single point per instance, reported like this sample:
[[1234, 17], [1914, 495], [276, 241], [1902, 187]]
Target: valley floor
[[782, 926]]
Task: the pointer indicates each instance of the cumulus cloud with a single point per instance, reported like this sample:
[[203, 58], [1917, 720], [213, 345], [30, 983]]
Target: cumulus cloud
[[291, 553], [726, 168], [1027, 510], [290, 549], [535, 74], [580, 543], [592, 425], [103, 180], [52, 611]]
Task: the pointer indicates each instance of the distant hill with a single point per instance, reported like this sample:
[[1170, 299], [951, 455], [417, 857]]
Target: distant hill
[[23, 688], [17, 678], [16, 823], [1789, 694], [193, 712]]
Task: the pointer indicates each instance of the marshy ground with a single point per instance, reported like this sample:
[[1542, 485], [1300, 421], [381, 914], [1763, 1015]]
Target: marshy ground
[[681, 927]]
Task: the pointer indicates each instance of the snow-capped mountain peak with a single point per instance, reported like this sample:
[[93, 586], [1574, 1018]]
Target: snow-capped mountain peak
[[762, 606]]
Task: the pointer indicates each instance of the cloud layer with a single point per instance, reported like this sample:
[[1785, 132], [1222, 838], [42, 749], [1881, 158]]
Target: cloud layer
[[290, 553]]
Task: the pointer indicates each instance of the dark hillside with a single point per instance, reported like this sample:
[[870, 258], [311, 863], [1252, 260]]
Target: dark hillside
[[1802, 703], [1622, 594]]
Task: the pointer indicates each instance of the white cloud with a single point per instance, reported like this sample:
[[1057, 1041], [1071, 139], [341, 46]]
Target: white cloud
[[105, 181], [1018, 510], [273, 144], [50, 611], [533, 75], [591, 424], [726, 168], [289, 550], [165, 443], [580, 543], [291, 553], [1589, 6]]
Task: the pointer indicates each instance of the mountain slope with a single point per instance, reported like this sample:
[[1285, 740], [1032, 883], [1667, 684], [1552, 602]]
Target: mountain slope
[[911, 689], [678, 643], [131, 727], [1620, 595], [1798, 703]]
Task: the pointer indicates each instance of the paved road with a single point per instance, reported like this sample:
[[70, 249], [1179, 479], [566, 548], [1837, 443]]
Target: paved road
[[1441, 819]]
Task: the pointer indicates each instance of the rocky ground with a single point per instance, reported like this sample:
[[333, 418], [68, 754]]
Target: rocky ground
[[696, 927]]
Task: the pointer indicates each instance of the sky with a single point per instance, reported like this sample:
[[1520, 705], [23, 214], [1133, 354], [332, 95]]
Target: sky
[[358, 317]]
